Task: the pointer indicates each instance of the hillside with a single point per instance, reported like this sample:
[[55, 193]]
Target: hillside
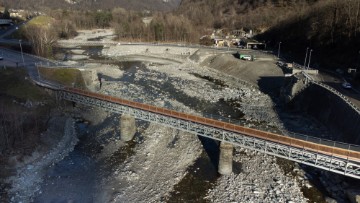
[[253, 14], [326, 26], [139, 5], [330, 28]]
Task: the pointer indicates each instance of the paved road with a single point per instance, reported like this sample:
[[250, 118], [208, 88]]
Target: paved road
[[13, 58], [11, 29]]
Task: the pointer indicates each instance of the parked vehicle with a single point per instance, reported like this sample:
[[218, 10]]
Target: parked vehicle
[[247, 58]]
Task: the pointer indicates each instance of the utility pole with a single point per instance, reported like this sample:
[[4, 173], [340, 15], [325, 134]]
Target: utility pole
[[309, 59], [279, 50], [307, 49], [22, 55]]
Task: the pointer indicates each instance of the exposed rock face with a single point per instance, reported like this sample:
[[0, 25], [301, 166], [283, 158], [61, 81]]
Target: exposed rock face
[[293, 86], [127, 127]]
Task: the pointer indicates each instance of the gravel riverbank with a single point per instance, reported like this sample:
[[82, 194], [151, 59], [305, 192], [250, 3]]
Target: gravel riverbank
[[29, 173]]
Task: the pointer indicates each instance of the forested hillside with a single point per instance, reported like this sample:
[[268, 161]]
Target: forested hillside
[[329, 27], [235, 14], [139, 5]]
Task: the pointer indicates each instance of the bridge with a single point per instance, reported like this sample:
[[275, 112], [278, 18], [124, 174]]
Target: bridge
[[328, 155], [332, 156]]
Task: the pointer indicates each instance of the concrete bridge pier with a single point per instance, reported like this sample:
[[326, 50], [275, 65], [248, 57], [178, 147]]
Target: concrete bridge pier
[[127, 127], [226, 158]]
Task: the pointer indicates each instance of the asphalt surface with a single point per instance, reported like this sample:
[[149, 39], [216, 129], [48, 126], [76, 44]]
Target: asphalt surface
[[14, 58]]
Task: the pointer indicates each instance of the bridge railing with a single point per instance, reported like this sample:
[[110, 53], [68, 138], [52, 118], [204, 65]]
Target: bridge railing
[[334, 91], [300, 136], [220, 128], [58, 65]]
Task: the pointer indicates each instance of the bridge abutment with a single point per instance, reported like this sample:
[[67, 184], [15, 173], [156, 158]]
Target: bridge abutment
[[226, 158], [127, 127]]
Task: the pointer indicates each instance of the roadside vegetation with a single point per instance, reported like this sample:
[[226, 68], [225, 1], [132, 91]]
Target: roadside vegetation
[[15, 84], [24, 110]]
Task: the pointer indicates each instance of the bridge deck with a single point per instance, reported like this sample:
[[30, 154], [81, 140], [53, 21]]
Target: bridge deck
[[336, 159]]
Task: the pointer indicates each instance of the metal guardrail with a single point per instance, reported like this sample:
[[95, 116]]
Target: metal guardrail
[[317, 140], [334, 91], [58, 65], [338, 94]]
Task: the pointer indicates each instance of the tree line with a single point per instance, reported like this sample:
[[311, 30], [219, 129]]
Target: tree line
[[311, 22]]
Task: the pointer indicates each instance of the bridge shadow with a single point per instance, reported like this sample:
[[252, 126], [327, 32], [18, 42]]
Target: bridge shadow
[[291, 115], [211, 148], [271, 86], [314, 111]]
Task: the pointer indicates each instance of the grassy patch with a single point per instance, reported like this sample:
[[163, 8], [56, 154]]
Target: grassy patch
[[15, 83], [68, 77], [41, 21]]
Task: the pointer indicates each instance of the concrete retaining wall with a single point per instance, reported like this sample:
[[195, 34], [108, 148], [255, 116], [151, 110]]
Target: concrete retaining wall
[[312, 71], [129, 49]]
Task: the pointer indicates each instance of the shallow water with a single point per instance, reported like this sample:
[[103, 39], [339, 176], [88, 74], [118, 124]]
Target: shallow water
[[74, 177]]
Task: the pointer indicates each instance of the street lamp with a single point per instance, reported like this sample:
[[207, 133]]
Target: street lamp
[[307, 49], [309, 59], [279, 50], [22, 55], [357, 65]]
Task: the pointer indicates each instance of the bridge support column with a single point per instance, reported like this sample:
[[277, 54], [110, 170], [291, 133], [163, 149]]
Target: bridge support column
[[226, 158], [127, 127]]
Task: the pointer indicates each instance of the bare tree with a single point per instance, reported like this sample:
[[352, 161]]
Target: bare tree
[[42, 38]]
